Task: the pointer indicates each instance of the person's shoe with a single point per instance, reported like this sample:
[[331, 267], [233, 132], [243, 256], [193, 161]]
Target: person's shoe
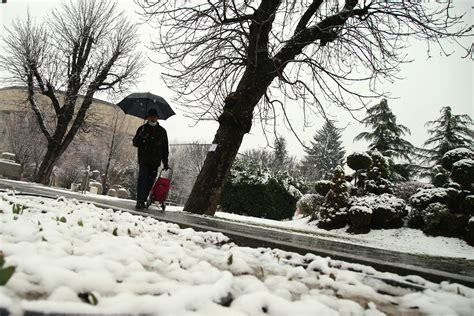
[[140, 206]]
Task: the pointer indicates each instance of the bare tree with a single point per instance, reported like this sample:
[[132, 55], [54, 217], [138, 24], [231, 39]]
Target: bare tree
[[187, 161], [83, 48], [25, 140], [194, 156], [115, 148], [232, 61]]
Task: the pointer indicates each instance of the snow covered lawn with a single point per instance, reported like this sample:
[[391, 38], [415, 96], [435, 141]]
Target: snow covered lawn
[[75, 257], [403, 239]]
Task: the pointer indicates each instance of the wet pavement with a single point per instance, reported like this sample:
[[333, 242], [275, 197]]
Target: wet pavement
[[435, 269]]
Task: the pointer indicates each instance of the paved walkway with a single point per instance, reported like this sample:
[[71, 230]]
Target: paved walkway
[[436, 269]]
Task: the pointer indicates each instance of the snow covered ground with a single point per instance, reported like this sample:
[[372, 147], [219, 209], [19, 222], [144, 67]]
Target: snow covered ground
[[75, 257], [402, 239]]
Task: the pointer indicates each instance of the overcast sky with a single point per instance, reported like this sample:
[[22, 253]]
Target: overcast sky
[[428, 85]]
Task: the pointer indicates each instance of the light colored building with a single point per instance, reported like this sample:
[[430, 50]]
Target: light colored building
[[13, 102]]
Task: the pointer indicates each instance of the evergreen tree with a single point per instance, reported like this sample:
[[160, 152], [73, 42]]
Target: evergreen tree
[[325, 154], [280, 154], [386, 136], [333, 212], [448, 132]]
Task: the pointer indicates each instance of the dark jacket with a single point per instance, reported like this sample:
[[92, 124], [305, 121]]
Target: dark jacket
[[152, 143]]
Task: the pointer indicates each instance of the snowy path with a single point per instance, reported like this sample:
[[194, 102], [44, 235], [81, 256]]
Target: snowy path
[[70, 255]]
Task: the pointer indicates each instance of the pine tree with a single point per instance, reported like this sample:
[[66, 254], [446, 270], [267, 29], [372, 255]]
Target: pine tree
[[325, 154], [386, 135], [448, 132], [387, 138], [280, 154]]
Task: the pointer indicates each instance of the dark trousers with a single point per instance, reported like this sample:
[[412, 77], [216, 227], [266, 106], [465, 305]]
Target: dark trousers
[[146, 178]]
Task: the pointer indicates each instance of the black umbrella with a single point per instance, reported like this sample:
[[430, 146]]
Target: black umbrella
[[138, 104]]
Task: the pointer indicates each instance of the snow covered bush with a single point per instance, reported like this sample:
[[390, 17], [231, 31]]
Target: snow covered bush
[[359, 160], [469, 236], [440, 211], [404, 190], [415, 218], [462, 172], [378, 186], [372, 173], [387, 210], [333, 214], [332, 218], [455, 155], [260, 193], [468, 205], [425, 197], [359, 219], [440, 221], [441, 179], [323, 186], [309, 205], [378, 175]]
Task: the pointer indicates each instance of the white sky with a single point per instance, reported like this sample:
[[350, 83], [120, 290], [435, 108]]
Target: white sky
[[428, 85]]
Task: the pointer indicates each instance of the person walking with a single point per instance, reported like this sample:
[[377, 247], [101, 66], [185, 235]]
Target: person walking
[[152, 142]]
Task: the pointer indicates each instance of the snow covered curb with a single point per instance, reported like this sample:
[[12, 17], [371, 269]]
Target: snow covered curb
[[131, 264]]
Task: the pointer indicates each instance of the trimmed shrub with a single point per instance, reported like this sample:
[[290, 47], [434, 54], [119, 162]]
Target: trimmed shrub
[[360, 218], [380, 166], [322, 187], [455, 155], [266, 200], [338, 195], [331, 218], [358, 161], [334, 214], [379, 186], [309, 205], [467, 205], [425, 197], [259, 193], [378, 175], [453, 185], [469, 235], [439, 221], [415, 218], [404, 190], [462, 172], [387, 210], [440, 179]]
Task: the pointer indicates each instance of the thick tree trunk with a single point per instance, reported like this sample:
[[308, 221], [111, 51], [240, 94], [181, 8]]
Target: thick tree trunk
[[207, 189], [234, 123], [50, 159]]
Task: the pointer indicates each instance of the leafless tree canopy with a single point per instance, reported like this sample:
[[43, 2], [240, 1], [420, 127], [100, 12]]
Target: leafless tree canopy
[[82, 48], [22, 137], [320, 49]]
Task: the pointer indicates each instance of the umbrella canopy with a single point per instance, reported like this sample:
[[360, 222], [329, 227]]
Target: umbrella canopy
[[138, 104]]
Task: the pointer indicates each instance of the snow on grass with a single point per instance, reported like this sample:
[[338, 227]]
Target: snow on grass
[[73, 257], [403, 239]]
